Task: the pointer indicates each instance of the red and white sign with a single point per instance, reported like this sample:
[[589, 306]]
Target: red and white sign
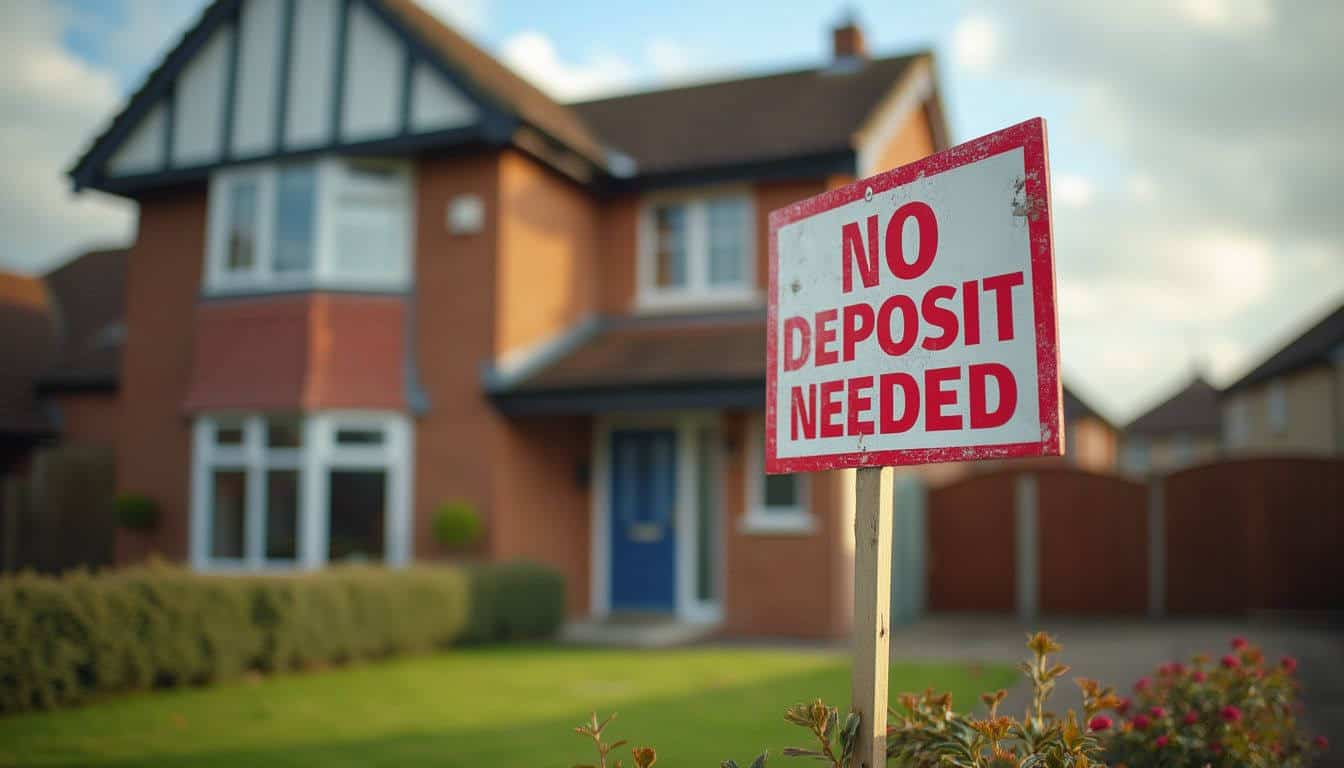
[[912, 314]]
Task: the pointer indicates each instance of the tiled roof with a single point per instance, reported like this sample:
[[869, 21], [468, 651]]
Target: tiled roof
[[1193, 409], [1313, 346], [791, 114], [499, 81], [89, 294], [678, 350]]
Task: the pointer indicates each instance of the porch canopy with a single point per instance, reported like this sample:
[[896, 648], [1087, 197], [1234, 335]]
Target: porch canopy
[[647, 363]]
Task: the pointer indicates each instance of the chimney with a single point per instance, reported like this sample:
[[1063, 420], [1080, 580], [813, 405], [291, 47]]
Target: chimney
[[847, 40]]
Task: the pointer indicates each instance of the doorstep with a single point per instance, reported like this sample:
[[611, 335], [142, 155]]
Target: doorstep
[[636, 631]]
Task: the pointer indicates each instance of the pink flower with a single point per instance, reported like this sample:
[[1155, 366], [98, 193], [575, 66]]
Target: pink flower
[[1123, 706], [1239, 642], [1199, 676], [1141, 722], [1216, 748], [1322, 743], [1178, 668], [1230, 661], [1158, 712], [1230, 713], [1289, 664], [1161, 741], [1142, 684], [1190, 718], [1099, 723], [1167, 669]]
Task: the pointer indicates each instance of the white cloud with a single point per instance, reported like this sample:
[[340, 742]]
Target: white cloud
[[974, 43], [1226, 14], [50, 105], [671, 61], [534, 56]]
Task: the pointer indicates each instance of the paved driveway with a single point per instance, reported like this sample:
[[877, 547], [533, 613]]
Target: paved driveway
[[1119, 652]]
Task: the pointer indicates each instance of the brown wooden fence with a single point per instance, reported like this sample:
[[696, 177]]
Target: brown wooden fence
[[58, 513], [971, 560], [1235, 536]]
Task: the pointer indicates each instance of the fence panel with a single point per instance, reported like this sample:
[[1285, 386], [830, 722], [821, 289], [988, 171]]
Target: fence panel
[[971, 556], [1093, 545], [59, 515]]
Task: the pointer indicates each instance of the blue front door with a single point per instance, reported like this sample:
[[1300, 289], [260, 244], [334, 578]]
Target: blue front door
[[643, 520]]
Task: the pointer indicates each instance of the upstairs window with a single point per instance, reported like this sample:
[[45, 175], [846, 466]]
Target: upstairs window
[[340, 223], [697, 250]]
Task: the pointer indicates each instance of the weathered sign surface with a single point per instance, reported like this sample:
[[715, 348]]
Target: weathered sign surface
[[912, 314]]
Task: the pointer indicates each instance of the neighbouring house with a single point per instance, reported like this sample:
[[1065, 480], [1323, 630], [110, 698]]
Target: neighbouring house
[[376, 271], [1184, 429], [1293, 401], [28, 337], [62, 335]]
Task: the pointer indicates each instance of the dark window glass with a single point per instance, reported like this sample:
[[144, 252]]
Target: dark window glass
[[228, 502], [282, 514], [357, 508], [359, 437], [284, 433], [295, 217], [781, 491], [242, 218]]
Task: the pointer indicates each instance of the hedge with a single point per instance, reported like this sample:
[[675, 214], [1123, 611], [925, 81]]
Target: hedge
[[66, 638]]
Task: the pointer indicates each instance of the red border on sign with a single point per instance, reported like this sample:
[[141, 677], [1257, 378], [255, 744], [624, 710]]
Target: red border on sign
[[1030, 136]]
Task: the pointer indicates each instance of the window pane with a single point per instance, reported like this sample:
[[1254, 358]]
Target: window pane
[[670, 246], [359, 437], [295, 204], [781, 491], [284, 433], [242, 227], [727, 241], [282, 514], [229, 434], [357, 508], [371, 222], [228, 500]]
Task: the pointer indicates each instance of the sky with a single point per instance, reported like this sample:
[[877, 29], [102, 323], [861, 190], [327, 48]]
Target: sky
[[1194, 153]]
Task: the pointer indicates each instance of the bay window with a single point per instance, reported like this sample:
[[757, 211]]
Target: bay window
[[696, 250], [334, 222], [289, 490]]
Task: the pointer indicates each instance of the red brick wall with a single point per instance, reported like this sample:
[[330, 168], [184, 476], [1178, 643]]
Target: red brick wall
[[162, 283], [90, 419], [786, 585], [457, 439]]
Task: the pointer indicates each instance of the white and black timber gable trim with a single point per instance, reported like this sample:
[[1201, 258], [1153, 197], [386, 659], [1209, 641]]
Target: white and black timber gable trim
[[264, 80]]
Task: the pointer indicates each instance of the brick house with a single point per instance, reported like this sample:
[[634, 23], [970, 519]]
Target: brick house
[[1292, 401], [376, 271], [1183, 429]]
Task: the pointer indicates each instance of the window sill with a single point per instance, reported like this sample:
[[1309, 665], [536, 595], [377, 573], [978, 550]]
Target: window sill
[[664, 301], [243, 289], [776, 523]]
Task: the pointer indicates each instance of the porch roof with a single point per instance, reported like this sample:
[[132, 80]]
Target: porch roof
[[714, 361]]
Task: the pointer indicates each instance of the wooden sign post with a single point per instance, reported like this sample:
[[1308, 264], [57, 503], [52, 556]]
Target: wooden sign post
[[911, 319], [872, 612]]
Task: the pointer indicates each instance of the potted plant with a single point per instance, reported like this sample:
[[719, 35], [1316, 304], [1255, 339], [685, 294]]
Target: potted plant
[[136, 512], [457, 526]]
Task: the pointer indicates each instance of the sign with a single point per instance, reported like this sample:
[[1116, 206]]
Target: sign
[[911, 315]]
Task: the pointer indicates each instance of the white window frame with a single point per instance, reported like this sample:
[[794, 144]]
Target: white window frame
[[698, 292], [324, 273], [1276, 406], [314, 461], [759, 518]]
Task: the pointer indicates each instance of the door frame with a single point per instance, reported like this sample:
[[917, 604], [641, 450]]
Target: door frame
[[685, 424]]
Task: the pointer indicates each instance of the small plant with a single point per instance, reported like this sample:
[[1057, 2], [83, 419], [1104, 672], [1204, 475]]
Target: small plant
[[456, 525], [835, 743], [926, 732], [136, 511], [1239, 711], [644, 756]]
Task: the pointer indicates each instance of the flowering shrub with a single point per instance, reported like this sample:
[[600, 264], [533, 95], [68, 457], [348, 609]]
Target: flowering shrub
[[1240, 711]]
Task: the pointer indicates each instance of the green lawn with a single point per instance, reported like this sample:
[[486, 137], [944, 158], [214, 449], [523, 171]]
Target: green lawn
[[497, 707]]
